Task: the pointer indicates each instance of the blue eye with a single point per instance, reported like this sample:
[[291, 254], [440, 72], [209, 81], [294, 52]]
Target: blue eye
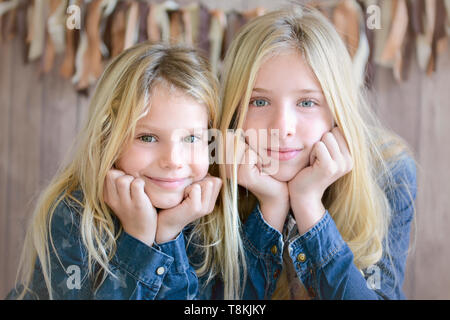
[[259, 102], [307, 103], [147, 138], [190, 139]]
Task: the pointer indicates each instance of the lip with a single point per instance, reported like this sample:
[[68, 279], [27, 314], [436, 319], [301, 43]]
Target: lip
[[168, 183], [283, 154]]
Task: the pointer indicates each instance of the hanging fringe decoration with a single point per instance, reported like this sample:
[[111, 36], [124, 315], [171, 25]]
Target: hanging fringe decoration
[[88, 33]]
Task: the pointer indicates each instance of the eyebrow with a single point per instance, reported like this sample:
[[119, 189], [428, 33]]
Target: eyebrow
[[262, 90], [153, 128]]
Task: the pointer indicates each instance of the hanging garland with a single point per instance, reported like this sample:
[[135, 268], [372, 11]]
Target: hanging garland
[[88, 33]]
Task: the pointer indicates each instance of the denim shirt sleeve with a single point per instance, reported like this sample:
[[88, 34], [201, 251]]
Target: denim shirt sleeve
[[138, 271], [263, 246], [324, 262]]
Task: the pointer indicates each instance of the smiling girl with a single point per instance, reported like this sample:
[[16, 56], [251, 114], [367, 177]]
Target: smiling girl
[[111, 223], [336, 214]]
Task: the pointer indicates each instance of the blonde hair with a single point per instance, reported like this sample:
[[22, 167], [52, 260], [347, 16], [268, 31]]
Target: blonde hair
[[120, 99], [357, 201]]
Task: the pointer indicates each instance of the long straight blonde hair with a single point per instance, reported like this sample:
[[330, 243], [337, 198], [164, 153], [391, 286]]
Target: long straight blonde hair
[[120, 99], [357, 202]]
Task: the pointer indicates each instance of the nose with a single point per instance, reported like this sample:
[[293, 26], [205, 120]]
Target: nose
[[171, 157], [285, 121]]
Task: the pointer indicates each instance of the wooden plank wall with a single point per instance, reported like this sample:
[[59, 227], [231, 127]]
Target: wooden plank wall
[[39, 116], [419, 110]]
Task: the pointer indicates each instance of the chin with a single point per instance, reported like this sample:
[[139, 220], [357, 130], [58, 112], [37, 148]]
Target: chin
[[286, 173], [165, 200], [283, 176]]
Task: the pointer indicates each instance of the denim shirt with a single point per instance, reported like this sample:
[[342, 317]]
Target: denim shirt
[[322, 259], [139, 271]]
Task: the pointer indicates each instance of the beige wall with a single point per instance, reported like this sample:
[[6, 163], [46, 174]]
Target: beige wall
[[39, 117]]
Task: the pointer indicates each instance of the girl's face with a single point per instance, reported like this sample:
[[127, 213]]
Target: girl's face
[[170, 148], [287, 97]]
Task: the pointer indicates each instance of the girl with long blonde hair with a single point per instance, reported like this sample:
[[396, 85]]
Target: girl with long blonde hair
[[326, 195], [115, 222]]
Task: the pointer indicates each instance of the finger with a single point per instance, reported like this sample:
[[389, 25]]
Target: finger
[[217, 185], [108, 188], [206, 193], [235, 149], [321, 154], [138, 194], [123, 188], [332, 146], [110, 181], [265, 164], [258, 154], [345, 151], [187, 191], [195, 196], [115, 173], [312, 155], [248, 167], [210, 190], [251, 156], [341, 141]]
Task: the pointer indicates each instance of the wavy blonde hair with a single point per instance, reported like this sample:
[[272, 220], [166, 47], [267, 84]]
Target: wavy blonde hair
[[357, 202], [120, 99]]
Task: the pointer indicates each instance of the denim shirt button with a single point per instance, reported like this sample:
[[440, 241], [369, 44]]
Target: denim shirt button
[[274, 250], [301, 257], [311, 292], [276, 273], [160, 271]]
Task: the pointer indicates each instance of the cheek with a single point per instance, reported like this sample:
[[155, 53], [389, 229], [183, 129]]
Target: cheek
[[252, 129], [133, 160], [255, 121], [200, 166], [200, 169], [126, 162], [313, 131]]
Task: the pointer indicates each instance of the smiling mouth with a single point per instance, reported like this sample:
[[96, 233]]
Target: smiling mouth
[[169, 183], [283, 154]]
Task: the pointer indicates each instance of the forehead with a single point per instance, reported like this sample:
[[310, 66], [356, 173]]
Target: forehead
[[286, 69], [170, 107]]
